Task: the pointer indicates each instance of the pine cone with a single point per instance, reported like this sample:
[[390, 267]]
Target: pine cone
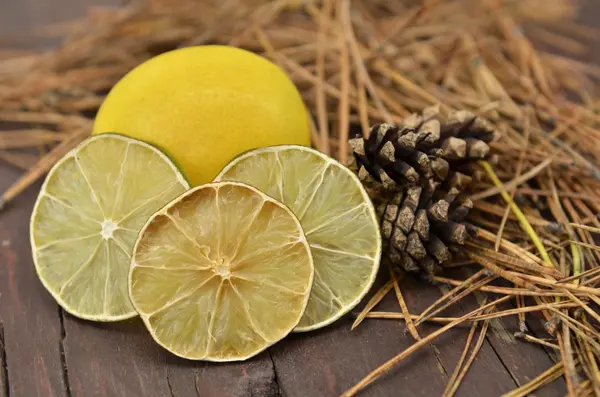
[[416, 175]]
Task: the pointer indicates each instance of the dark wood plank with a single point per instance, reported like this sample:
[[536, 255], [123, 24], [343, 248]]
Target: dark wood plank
[[3, 366], [329, 361], [255, 377], [524, 361], [521, 361], [121, 359], [29, 317], [536, 325], [334, 359], [113, 359], [487, 375]]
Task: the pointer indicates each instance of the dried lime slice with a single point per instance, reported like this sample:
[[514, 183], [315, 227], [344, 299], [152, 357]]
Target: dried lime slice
[[87, 217], [336, 214], [221, 273]]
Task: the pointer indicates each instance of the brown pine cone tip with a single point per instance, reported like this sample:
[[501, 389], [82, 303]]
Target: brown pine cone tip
[[416, 174]]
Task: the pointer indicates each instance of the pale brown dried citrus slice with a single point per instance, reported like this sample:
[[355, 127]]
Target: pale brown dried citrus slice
[[221, 273], [87, 218], [337, 216]]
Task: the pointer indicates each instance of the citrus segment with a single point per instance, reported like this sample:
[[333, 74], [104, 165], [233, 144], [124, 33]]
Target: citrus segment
[[357, 238], [159, 290], [221, 273], [231, 328], [101, 175], [177, 247], [257, 267], [88, 283], [255, 296], [335, 276], [270, 221], [337, 217], [74, 193], [58, 221], [336, 195], [186, 316], [57, 262], [85, 221], [117, 294]]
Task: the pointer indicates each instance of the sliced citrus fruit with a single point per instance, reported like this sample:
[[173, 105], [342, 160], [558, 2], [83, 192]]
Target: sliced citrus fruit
[[336, 214], [87, 217], [221, 273]]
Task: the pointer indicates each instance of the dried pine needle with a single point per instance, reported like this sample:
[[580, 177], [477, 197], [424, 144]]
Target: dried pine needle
[[321, 107], [454, 299], [529, 338], [452, 293], [489, 316], [457, 370], [501, 290], [550, 283], [463, 372], [409, 323], [553, 373], [518, 174], [402, 316], [375, 299], [41, 167], [343, 106], [586, 227], [519, 214], [532, 173]]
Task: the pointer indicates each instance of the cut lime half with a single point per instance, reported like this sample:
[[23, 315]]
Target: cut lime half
[[221, 273], [87, 217], [336, 214]]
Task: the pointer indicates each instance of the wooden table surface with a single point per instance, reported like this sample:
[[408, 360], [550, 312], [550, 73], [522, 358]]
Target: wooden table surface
[[46, 352]]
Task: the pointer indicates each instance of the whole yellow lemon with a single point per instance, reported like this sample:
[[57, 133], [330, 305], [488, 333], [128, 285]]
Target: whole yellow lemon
[[205, 105]]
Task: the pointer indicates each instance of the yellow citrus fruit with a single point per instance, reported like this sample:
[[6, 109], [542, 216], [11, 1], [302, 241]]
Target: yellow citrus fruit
[[336, 214], [205, 105], [87, 218], [221, 273]]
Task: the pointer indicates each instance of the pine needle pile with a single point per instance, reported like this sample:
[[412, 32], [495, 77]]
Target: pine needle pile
[[533, 212]]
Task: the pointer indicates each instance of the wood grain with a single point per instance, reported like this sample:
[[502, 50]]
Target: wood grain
[[479, 379], [521, 361], [256, 377], [28, 315], [331, 360], [3, 365], [113, 359]]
